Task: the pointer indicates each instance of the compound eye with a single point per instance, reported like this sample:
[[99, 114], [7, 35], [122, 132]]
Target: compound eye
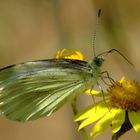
[[98, 61]]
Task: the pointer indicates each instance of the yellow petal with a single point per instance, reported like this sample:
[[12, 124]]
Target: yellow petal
[[79, 55], [102, 124], [95, 116], [118, 120], [90, 111], [95, 93], [64, 53], [134, 118], [122, 80]]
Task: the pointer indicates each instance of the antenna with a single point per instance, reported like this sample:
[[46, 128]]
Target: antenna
[[95, 32], [115, 50]]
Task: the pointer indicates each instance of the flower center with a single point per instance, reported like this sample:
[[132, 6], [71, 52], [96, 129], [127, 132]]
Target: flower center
[[125, 95]]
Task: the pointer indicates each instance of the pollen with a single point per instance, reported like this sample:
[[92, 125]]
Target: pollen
[[125, 95]]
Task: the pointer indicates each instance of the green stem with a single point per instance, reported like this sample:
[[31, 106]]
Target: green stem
[[115, 137], [126, 126], [75, 111]]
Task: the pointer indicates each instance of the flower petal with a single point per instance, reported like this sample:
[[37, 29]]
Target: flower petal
[[78, 55], [118, 120], [90, 111], [67, 54], [94, 117], [122, 80], [102, 124], [95, 93], [134, 118]]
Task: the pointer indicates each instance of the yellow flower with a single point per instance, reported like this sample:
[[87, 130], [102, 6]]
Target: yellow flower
[[121, 107], [67, 54]]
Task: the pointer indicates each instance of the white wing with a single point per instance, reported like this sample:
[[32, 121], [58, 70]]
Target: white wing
[[32, 90]]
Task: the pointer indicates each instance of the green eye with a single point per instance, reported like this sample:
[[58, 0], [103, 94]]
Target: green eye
[[32, 90]]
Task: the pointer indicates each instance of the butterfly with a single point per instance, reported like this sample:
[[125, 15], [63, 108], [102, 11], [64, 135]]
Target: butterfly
[[36, 89]]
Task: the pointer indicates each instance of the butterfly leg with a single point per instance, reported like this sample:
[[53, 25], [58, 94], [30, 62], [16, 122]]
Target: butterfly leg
[[103, 94], [92, 95], [112, 81]]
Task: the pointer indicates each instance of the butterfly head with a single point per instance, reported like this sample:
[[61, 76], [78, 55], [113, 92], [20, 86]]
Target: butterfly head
[[97, 61]]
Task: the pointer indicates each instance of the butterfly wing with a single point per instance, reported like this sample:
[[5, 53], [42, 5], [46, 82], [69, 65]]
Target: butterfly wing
[[36, 89]]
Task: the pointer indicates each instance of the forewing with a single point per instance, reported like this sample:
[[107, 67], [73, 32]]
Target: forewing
[[32, 90]]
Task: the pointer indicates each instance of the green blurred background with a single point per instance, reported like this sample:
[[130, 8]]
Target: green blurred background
[[37, 29]]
